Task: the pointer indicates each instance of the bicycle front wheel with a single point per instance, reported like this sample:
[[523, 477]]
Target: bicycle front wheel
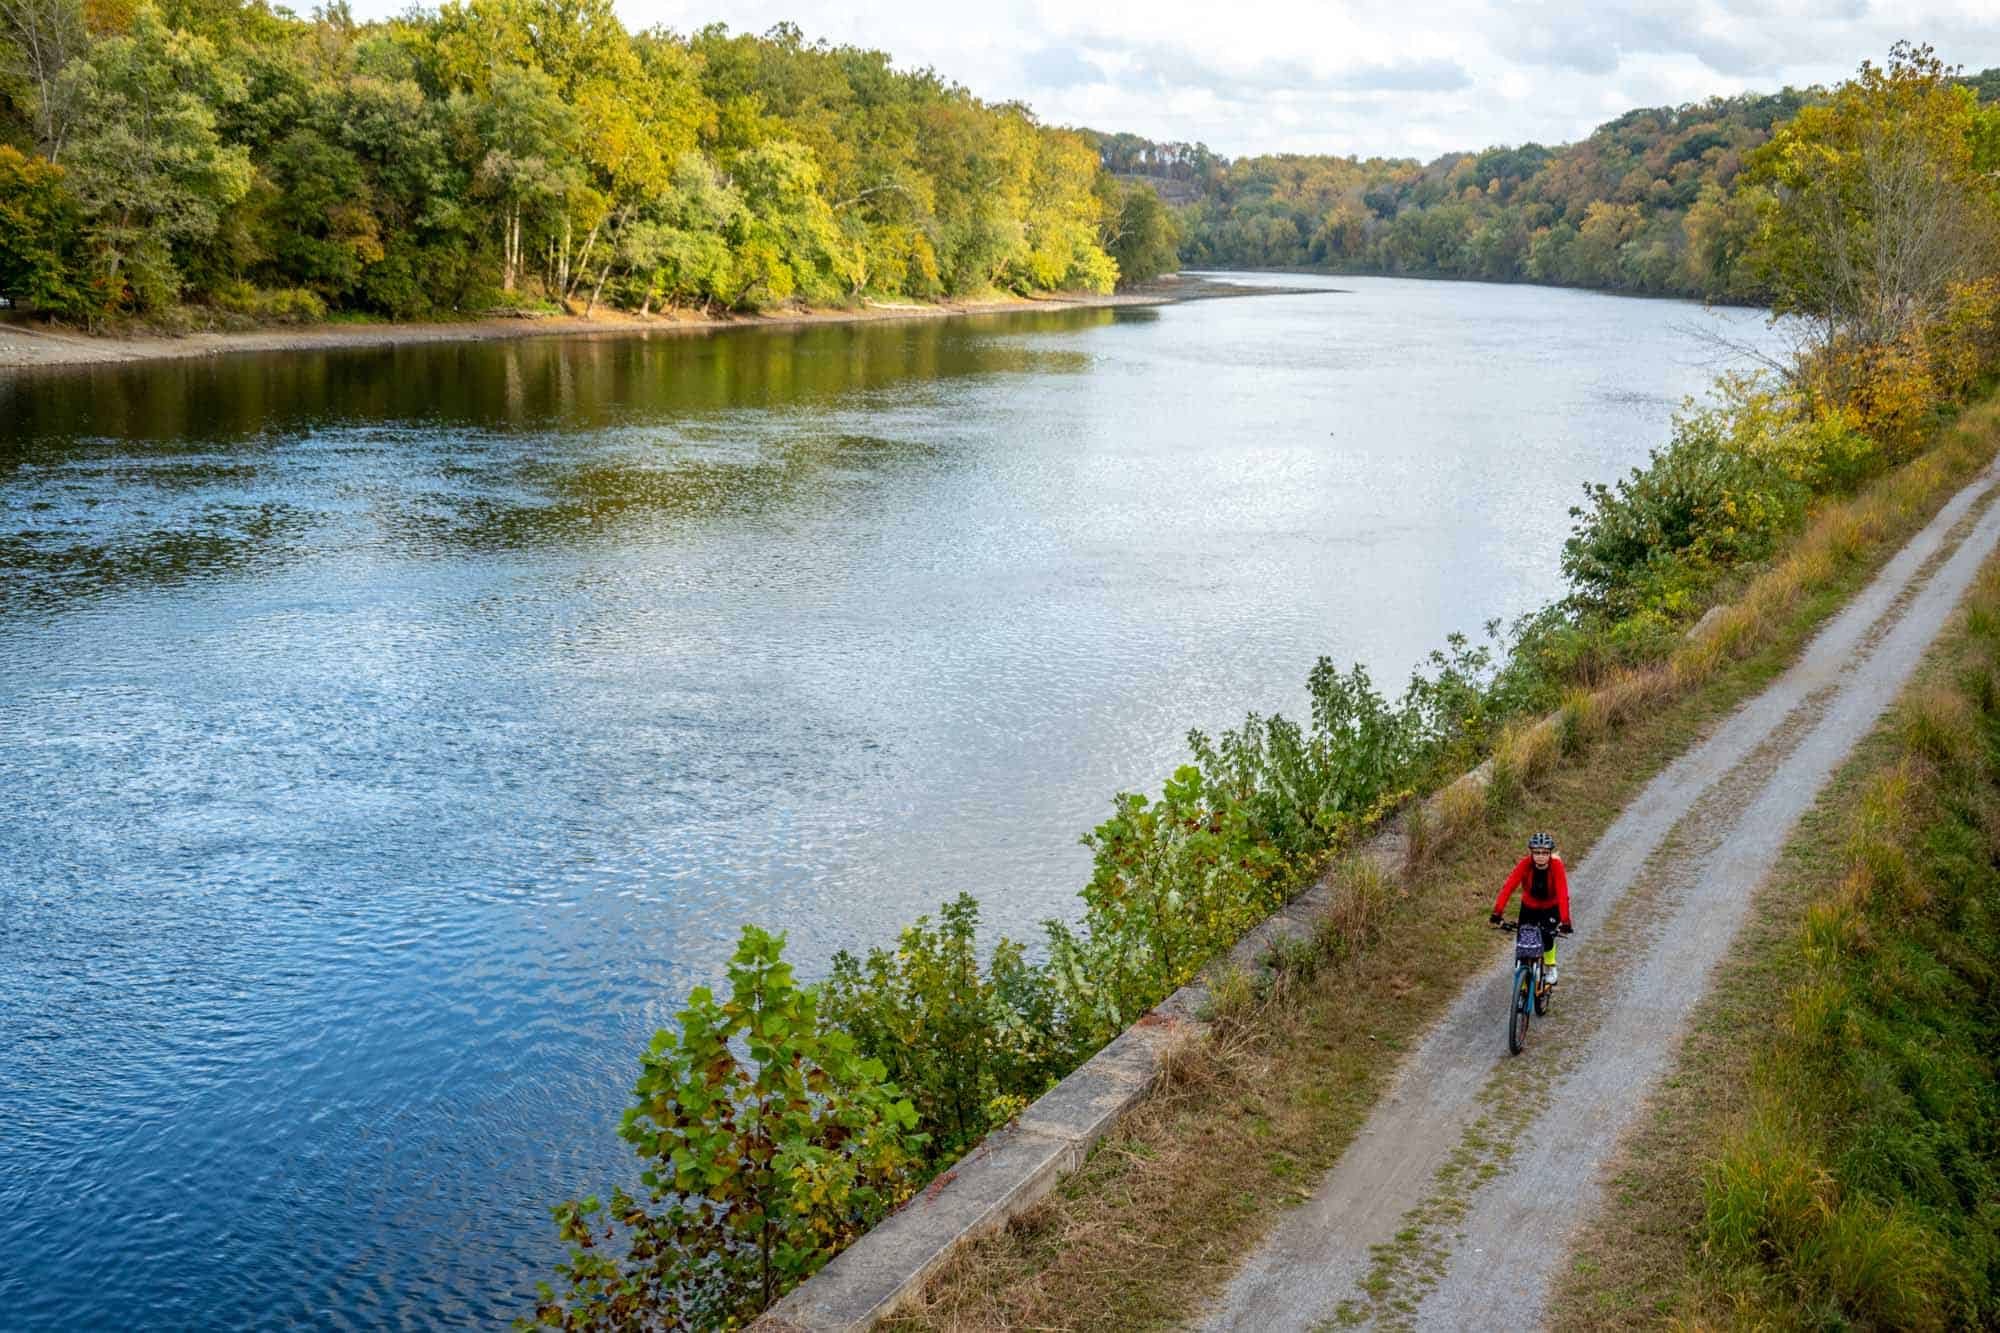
[[1524, 1004]]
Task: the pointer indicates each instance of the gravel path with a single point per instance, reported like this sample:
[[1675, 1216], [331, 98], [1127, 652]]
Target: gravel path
[[1453, 1207]]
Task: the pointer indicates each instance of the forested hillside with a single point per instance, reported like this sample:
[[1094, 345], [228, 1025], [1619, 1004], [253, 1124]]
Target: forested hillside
[[1653, 202], [183, 160], [516, 152]]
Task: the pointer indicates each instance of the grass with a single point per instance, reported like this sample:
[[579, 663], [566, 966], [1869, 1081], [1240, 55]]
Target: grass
[[1838, 1168], [1156, 1220]]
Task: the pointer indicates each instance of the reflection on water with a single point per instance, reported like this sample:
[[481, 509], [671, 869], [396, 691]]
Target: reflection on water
[[394, 736], [86, 513], [568, 384]]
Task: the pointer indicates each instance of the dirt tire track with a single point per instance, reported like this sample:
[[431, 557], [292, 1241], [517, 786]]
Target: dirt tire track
[[1447, 1212]]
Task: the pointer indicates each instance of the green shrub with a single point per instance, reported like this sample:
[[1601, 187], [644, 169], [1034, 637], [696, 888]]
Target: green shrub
[[1658, 538], [289, 305], [757, 1172], [966, 1044]]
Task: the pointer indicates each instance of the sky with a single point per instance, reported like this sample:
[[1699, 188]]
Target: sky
[[1361, 76]]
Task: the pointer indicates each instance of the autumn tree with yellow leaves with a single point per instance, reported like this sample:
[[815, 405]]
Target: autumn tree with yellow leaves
[[1879, 229]]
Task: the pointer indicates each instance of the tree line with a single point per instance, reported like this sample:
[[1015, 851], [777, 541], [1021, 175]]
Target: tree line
[[229, 156], [1654, 202]]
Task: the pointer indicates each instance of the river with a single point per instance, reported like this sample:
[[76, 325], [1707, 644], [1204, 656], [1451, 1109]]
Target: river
[[392, 737]]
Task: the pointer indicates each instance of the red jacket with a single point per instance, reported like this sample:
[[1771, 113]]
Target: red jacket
[[1524, 879]]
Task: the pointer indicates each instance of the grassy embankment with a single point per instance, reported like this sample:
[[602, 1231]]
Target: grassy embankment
[[1249, 1117], [1826, 1152]]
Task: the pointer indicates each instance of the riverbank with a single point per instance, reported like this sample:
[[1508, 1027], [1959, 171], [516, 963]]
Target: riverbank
[[25, 345]]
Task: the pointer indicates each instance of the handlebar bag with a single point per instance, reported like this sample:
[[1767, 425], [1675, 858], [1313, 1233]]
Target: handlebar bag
[[1528, 944]]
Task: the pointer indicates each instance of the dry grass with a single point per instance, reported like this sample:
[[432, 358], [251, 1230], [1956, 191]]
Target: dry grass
[[1530, 750], [1938, 724], [1443, 821], [1354, 919], [1580, 720]]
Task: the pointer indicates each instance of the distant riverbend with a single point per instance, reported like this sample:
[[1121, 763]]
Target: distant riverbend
[[393, 735]]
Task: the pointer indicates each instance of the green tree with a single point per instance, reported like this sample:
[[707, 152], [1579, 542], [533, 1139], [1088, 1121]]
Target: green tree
[[789, 240], [528, 163], [680, 249], [39, 231], [757, 1171], [38, 40], [1143, 239], [145, 162], [321, 229], [420, 156]]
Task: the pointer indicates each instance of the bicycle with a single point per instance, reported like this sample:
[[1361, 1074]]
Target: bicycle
[[1528, 997]]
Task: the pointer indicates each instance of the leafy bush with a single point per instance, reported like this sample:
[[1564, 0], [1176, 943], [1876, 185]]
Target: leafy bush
[[290, 305], [899, 1063], [970, 1045], [1657, 538], [756, 1172]]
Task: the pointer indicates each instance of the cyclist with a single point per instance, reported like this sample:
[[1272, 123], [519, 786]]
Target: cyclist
[[1544, 895]]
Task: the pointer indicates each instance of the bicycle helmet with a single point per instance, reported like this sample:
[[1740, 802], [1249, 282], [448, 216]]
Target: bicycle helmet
[[1541, 842]]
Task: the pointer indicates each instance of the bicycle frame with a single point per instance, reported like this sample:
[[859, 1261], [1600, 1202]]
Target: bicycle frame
[[1527, 996]]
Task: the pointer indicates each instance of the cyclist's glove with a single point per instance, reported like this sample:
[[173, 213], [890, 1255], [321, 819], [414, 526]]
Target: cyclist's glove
[[1495, 918], [1566, 929]]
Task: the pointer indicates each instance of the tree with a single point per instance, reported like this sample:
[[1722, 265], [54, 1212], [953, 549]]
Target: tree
[[1144, 239], [145, 161], [1881, 228], [528, 134], [1879, 204], [322, 228], [680, 248], [38, 41], [39, 231], [789, 240]]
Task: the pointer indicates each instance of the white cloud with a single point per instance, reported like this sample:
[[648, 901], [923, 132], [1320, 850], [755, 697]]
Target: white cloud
[[1360, 76]]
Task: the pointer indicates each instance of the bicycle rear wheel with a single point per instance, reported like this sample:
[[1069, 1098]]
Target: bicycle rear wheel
[[1523, 1004]]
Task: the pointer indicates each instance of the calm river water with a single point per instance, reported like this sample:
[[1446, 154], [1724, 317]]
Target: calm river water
[[391, 738]]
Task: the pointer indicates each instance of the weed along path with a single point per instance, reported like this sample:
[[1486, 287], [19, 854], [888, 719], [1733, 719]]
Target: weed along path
[[1453, 1206]]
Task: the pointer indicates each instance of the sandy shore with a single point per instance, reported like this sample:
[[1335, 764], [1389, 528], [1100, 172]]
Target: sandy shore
[[25, 345]]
